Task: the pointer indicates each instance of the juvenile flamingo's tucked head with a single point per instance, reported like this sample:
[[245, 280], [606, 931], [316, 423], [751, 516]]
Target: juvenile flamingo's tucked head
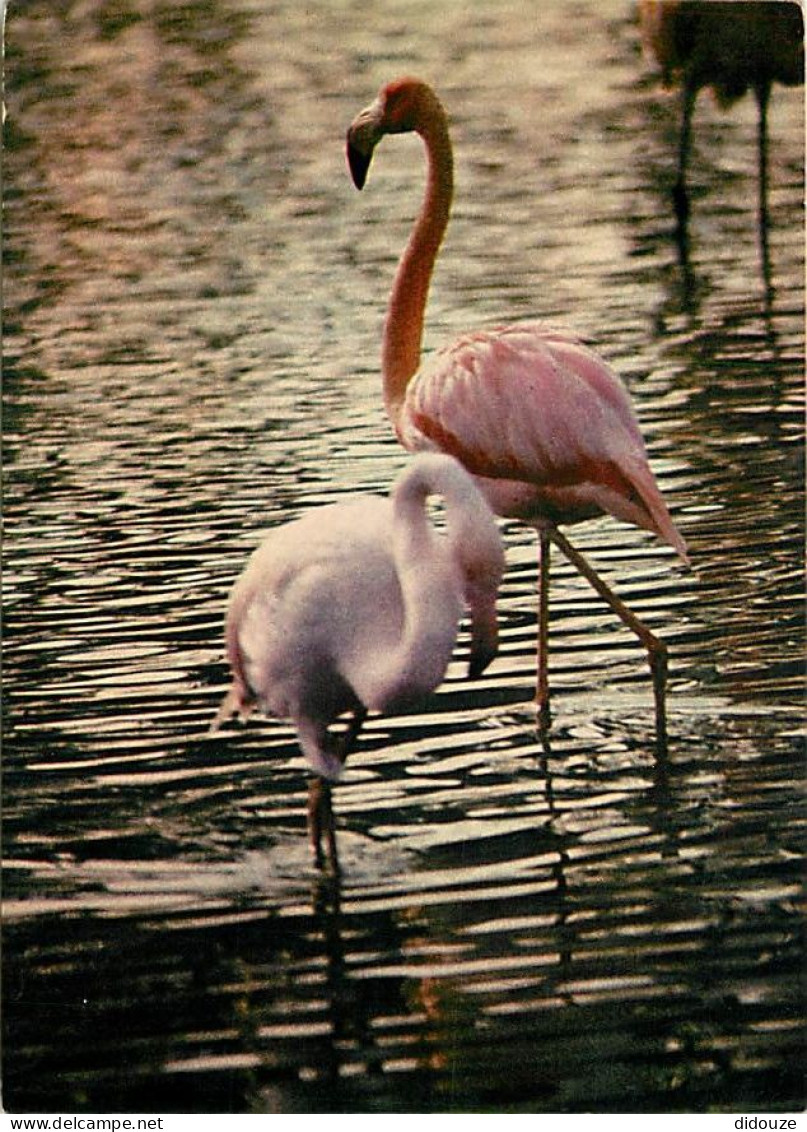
[[398, 109]]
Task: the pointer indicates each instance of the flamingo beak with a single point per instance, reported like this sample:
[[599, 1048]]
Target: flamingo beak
[[365, 132], [359, 163], [479, 661], [484, 640]]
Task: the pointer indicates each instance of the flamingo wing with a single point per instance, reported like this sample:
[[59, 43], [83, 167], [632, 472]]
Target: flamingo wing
[[537, 406]]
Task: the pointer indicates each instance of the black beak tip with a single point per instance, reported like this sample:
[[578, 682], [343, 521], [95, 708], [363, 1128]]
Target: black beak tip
[[359, 164], [478, 663]]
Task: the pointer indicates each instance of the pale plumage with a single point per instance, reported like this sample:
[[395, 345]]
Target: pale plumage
[[356, 607], [543, 423]]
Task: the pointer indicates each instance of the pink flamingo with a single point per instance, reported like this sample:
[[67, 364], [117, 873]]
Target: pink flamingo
[[541, 421], [730, 46], [356, 607]]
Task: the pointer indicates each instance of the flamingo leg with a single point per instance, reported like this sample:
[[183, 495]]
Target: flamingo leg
[[680, 195], [656, 648], [762, 92], [542, 691], [321, 824], [321, 821]]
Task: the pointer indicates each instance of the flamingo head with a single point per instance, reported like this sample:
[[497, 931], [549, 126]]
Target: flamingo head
[[398, 109], [479, 554], [481, 587]]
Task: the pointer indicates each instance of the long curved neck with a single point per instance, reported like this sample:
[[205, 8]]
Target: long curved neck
[[432, 605], [403, 329], [431, 596]]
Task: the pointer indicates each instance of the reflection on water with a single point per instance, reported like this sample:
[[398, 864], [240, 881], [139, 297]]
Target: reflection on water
[[193, 304]]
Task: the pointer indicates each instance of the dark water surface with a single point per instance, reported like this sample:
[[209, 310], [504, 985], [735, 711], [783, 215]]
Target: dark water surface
[[193, 299]]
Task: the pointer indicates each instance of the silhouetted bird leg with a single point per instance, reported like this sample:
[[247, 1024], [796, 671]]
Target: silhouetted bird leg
[[680, 195], [542, 691], [763, 91], [656, 649], [321, 822]]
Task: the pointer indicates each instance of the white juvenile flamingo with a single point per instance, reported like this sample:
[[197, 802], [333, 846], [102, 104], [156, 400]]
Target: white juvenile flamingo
[[541, 421], [355, 607], [731, 46]]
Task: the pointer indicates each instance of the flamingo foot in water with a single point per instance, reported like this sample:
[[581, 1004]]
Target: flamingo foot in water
[[321, 824]]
